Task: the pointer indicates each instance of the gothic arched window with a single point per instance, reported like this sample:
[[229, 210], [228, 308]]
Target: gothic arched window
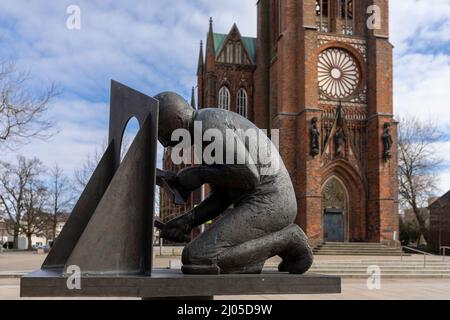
[[224, 98], [238, 53], [230, 50], [242, 101]]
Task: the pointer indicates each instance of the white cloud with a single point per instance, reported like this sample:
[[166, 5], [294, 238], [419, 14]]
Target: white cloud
[[152, 45], [443, 151], [420, 32]]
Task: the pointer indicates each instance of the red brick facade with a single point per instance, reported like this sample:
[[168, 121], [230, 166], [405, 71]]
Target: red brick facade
[[311, 56], [440, 223]]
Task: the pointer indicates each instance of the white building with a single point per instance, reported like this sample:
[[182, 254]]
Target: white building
[[36, 240]]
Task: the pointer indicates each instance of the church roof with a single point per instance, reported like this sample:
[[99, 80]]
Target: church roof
[[442, 201], [249, 43]]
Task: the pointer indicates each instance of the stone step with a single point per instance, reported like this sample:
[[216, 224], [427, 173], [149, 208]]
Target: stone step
[[446, 268], [354, 243], [383, 270], [393, 276], [357, 253], [387, 262], [419, 266], [355, 248]]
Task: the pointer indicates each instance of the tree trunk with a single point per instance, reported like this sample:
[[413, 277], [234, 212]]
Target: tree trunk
[[16, 238], [16, 241], [30, 246], [54, 231], [422, 226]]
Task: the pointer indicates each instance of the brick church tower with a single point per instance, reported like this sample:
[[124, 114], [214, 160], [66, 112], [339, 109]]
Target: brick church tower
[[324, 79], [320, 71]]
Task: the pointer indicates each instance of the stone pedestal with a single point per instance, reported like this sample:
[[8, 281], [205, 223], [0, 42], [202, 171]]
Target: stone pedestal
[[173, 284]]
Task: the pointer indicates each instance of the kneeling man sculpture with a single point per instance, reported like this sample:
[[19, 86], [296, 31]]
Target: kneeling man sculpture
[[257, 209]]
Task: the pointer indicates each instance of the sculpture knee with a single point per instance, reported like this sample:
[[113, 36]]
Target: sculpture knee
[[194, 254]]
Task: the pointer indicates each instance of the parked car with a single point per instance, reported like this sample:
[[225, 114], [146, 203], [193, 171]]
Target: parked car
[[8, 245]]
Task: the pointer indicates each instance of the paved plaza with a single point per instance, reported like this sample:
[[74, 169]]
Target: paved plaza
[[352, 289]]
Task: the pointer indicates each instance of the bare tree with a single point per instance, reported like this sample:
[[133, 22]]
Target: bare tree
[[35, 219], [15, 187], [22, 113], [61, 197], [418, 165], [83, 174]]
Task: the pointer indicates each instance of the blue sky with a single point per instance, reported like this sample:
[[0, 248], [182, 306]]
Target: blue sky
[[152, 46]]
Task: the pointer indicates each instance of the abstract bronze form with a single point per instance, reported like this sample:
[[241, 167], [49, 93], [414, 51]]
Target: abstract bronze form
[[110, 228], [260, 223]]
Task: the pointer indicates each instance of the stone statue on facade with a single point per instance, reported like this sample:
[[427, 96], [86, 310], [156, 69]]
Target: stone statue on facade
[[339, 139], [315, 136], [255, 208], [387, 141]]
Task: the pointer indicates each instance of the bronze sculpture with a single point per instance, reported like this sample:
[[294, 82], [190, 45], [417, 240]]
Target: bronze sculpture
[[261, 222]]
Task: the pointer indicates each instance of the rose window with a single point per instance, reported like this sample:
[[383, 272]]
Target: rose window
[[339, 74]]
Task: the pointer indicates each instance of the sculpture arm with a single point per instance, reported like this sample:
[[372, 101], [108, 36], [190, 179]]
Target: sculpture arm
[[233, 177], [179, 229], [212, 207]]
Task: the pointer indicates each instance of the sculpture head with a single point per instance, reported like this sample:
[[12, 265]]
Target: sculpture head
[[174, 113]]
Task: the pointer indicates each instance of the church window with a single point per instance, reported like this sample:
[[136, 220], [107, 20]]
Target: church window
[[338, 73], [229, 53], [322, 9], [224, 98], [242, 100], [238, 53], [222, 56], [347, 12]]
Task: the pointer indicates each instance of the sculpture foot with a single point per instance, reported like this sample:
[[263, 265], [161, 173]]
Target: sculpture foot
[[298, 258]]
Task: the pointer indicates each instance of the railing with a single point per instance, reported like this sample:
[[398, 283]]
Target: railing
[[443, 249], [425, 254]]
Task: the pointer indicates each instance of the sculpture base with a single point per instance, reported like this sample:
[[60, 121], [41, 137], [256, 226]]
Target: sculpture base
[[174, 284]]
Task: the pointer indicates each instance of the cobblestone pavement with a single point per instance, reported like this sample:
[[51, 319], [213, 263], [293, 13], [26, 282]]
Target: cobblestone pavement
[[351, 288]]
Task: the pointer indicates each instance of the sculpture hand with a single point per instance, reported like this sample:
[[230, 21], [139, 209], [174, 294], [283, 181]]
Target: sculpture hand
[[178, 229]]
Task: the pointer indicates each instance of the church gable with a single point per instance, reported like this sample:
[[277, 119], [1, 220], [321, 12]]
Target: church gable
[[235, 49]]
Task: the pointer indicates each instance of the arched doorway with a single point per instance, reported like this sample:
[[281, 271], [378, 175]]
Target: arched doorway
[[335, 211]]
